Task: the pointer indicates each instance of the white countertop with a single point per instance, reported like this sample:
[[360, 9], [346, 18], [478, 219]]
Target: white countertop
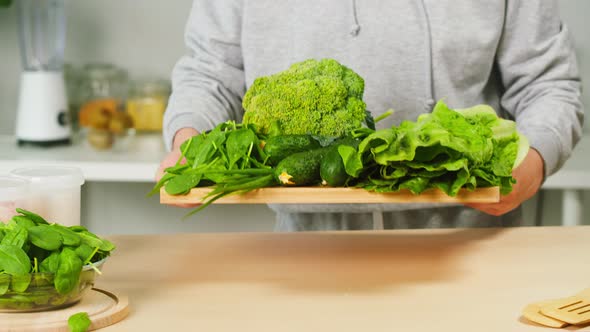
[[136, 162], [139, 161]]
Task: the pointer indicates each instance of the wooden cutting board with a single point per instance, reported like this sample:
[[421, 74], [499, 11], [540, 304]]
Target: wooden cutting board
[[104, 308], [331, 195]]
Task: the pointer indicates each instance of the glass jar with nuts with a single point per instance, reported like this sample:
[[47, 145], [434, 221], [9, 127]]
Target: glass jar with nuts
[[106, 127]]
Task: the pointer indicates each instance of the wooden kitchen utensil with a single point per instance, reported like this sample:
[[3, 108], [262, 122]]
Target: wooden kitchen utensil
[[573, 310], [533, 313]]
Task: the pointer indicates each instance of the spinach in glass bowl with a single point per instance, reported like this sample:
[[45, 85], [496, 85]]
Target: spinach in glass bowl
[[45, 266]]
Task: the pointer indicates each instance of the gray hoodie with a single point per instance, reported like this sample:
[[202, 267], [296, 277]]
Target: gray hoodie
[[515, 55]]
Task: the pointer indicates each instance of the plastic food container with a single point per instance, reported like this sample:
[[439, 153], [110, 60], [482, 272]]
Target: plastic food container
[[13, 192], [41, 295], [54, 192]]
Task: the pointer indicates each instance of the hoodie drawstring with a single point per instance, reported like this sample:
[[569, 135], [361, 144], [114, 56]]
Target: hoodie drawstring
[[429, 102], [356, 28]]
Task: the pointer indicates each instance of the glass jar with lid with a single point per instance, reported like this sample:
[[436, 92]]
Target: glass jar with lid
[[103, 89], [146, 103]]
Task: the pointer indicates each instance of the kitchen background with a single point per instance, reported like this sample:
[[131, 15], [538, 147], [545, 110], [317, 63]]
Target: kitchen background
[[146, 38]]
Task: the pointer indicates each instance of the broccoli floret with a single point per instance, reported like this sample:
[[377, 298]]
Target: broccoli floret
[[311, 97]]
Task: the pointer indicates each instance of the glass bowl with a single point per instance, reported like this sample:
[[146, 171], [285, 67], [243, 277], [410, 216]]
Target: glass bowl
[[41, 295]]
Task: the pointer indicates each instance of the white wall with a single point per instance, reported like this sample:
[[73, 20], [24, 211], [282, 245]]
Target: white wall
[[146, 37]]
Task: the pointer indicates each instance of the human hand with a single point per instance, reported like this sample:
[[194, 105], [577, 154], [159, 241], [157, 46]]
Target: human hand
[[172, 157], [528, 175]]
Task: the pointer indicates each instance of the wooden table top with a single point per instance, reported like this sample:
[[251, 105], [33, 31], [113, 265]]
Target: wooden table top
[[403, 280]]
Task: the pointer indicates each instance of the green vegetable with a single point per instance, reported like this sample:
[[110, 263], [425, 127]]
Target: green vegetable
[[278, 148], [79, 322], [4, 283], [445, 149], [45, 237], [37, 219], [17, 236], [311, 97], [51, 263], [69, 237], [332, 167], [68, 271], [301, 168], [13, 260], [20, 283], [41, 264]]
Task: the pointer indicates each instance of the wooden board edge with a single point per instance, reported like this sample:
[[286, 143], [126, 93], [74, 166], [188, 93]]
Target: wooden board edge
[[331, 195]]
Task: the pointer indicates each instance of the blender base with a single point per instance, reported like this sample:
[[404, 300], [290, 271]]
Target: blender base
[[44, 144]]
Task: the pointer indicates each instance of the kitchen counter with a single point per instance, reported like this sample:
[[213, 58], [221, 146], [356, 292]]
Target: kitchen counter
[[135, 161], [412, 280]]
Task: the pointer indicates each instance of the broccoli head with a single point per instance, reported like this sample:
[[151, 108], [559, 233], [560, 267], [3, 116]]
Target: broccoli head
[[311, 97]]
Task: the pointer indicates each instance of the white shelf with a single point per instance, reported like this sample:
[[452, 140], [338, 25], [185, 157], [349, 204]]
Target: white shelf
[[137, 162]]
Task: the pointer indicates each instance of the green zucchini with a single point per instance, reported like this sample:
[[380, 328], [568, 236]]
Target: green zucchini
[[278, 148], [332, 170], [300, 169]]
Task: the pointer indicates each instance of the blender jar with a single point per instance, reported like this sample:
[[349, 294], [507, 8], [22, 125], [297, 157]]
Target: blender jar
[[13, 193], [54, 192]]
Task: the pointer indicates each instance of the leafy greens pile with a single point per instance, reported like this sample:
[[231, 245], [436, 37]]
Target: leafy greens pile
[[41, 264], [445, 149]]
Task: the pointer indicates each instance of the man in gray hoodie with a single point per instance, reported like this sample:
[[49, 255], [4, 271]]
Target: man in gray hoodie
[[513, 55]]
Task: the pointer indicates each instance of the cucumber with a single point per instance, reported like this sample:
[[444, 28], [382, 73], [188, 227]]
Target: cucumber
[[300, 169], [278, 148], [332, 170]]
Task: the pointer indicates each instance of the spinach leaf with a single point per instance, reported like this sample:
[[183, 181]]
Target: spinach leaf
[[182, 184], [78, 228], [79, 322], [50, 264], [23, 221], [163, 180], [70, 238], [20, 283], [84, 251], [4, 283], [45, 237], [33, 216], [16, 237], [13, 260], [239, 143], [68, 272]]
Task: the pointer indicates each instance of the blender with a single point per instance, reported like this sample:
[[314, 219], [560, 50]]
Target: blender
[[42, 117]]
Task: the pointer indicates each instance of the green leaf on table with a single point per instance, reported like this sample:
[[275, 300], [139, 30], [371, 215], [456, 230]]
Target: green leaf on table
[[79, 322]]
